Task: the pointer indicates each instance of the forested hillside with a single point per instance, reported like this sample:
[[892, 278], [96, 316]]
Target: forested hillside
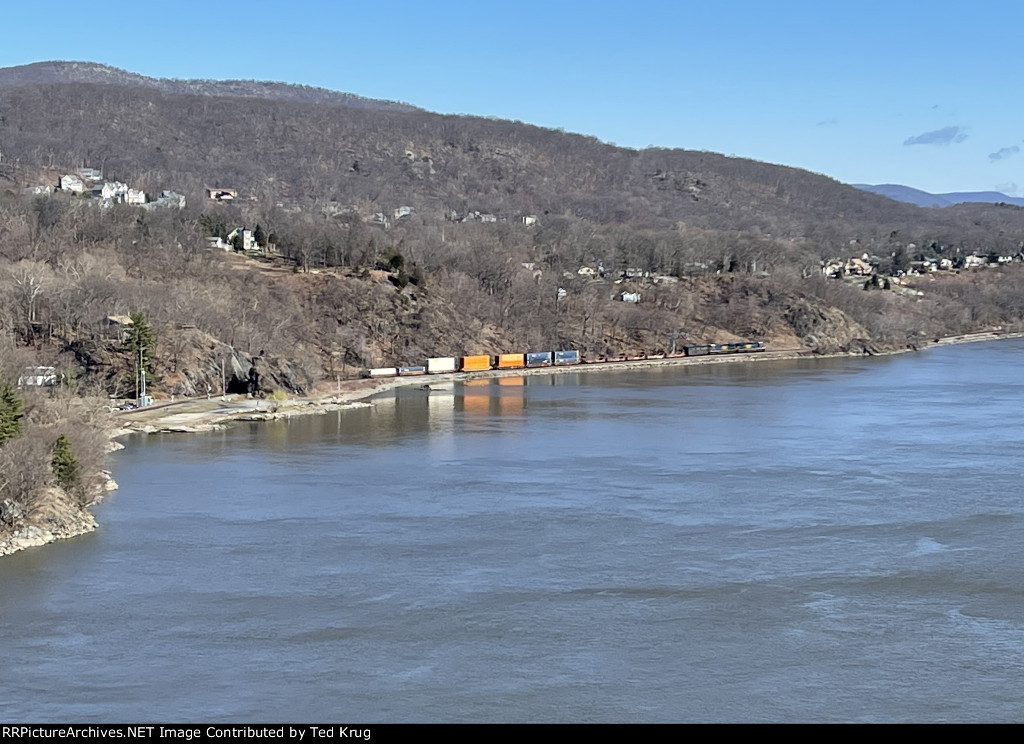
[[389, 234]]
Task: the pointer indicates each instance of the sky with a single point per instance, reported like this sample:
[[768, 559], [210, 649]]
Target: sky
[[921, 93]]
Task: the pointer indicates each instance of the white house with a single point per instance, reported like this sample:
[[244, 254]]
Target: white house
[[168, 199], [219, 194], [248, 242], [114, 191], [72, 183], [38, 377]]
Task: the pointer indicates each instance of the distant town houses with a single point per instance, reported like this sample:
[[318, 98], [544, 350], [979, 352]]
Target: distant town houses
[[472, 216], [107, 193], [867, 265]]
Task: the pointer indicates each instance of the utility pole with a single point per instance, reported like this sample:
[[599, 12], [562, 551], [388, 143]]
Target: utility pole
[[223, 380], [142, 381]]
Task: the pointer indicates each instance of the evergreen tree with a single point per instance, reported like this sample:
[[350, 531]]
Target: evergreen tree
[[140, 339], [259, 236], [10, 413], [65, 464]]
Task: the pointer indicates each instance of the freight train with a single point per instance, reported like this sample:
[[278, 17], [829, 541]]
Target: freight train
[[535, 359]]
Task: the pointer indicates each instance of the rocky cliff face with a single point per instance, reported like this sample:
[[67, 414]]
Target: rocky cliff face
[[827, 330]]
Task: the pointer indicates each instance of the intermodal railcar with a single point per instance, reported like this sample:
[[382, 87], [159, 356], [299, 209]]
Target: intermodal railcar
[[537, 359]]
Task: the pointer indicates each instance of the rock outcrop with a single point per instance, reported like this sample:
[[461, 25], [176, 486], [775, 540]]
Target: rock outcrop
[[54, 516]]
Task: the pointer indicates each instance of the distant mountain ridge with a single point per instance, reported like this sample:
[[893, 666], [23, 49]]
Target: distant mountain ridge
[[340, 156], [42, 73], [910, 195]]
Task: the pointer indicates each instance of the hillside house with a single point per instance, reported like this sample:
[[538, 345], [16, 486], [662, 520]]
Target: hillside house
[[91, 174], [529, 219], [242, 238], [72, 183], [630, 297], [116, 327], [135, 197], [402, 212], [113, 191], [38, 377], [222, 195], [858, 267], [168, 200]]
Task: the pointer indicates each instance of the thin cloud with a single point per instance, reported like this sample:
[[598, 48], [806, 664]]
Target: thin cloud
[[827, 122], [944, 136], [1003, 153]]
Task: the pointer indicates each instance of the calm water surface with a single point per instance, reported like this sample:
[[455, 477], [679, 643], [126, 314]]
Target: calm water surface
[[812, 541]]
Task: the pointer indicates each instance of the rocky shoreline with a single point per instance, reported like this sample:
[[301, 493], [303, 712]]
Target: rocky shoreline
[[57, 518]]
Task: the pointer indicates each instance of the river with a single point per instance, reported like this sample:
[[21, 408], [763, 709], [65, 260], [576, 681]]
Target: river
[[816, 540]]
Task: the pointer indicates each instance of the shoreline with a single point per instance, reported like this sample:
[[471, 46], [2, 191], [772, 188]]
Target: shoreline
[[62, 521], [198, 415]]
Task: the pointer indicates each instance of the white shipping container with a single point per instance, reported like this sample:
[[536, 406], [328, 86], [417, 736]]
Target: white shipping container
[[382, 372], [437, 365]]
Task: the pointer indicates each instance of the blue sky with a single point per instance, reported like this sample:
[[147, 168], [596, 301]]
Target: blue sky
[[927, 94]]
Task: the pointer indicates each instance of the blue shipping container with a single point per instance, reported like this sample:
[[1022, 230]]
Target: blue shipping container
[[538, 359], [567, 357]]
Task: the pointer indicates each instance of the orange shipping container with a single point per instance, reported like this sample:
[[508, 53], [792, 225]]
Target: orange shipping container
[[477, 363], [510, 361]]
